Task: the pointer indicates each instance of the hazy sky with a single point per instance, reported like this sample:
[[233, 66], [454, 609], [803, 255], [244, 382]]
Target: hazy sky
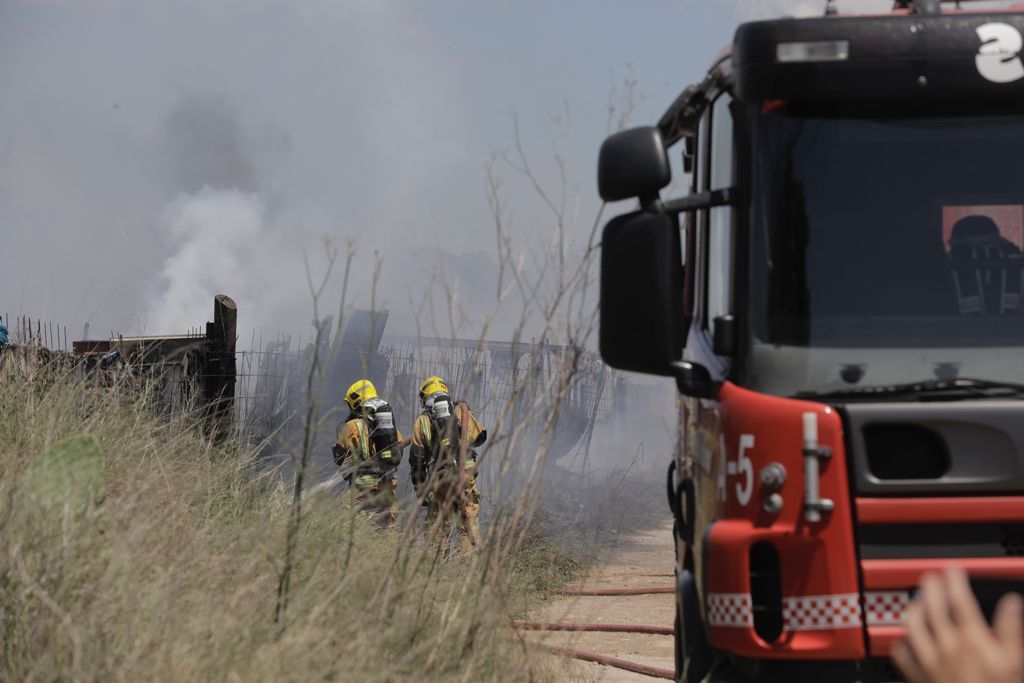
[[156, 152]]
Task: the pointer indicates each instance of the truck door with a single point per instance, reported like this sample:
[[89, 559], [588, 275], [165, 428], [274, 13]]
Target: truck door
[[713, 264]]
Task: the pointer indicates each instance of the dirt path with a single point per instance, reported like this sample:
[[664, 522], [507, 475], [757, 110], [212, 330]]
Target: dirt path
[[642, 559]]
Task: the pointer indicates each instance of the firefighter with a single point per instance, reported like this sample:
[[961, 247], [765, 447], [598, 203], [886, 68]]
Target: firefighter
[[369, 450], [443, 461]]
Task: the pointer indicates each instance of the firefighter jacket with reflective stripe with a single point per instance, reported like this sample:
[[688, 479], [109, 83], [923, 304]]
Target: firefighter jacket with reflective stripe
[[356, 454], [424, 449]]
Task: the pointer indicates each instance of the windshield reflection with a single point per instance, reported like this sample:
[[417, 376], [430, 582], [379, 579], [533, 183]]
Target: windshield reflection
[[902, 236]]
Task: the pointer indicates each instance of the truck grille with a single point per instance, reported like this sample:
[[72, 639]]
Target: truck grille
[[884, 671], [916, 541], [935, 449]]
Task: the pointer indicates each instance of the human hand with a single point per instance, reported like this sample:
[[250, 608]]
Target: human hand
[[949, 641]]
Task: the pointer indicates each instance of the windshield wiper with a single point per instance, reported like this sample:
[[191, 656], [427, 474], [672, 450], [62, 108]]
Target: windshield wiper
[[926, 390]]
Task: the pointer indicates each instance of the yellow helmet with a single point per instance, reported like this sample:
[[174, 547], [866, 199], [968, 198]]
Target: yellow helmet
[[359, 393], [432, 385]]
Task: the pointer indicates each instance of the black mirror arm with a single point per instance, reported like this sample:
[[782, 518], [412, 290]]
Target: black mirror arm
[[652, 204], [694, 202]]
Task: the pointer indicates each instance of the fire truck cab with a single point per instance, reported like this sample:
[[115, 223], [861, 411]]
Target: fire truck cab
[[840, 299]]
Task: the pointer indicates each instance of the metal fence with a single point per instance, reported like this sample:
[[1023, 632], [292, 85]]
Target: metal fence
[[502, 382], [505, 383], [26, 331]]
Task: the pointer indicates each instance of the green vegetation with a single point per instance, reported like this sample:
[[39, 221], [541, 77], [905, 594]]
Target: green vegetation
[[133, 549]]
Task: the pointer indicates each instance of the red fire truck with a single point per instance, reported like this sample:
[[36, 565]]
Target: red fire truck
[[840, 299]]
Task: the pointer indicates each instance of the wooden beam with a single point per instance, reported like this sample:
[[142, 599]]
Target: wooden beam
[[221, 337]]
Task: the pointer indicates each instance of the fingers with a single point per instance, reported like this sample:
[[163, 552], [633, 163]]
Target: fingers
[[948, 637], [907, 663], [1009, 627], [920, 638], [937, 610], [964, 605]]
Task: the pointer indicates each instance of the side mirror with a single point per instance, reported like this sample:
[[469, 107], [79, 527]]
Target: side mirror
[[643, 326], [633, 163], [724, 339], [693, 379]]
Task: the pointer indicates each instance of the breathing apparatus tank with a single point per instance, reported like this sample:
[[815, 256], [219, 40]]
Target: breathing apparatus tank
[[447, 431], [380, 419]]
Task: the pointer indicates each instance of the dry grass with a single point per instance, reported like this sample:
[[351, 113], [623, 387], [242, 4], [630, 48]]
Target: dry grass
[[170, 570]]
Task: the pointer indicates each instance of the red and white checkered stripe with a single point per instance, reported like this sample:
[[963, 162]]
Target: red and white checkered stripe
[[801, 613], [730, 609], [885, 608], [821, 612]]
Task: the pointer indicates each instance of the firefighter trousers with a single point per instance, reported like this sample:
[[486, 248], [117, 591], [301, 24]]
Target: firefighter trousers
[[375, 497], [448, 502]]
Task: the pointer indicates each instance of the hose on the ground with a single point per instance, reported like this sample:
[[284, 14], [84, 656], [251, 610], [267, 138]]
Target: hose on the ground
[[652, 590], [606, 628], [595, 657], [626, 665]]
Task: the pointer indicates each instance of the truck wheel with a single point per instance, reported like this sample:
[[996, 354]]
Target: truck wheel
[[691, 640]]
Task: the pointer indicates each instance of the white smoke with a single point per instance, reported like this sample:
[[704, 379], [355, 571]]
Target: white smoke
[[300, 120], [223, 245]]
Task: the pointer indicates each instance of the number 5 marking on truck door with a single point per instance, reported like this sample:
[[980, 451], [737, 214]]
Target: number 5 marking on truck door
[[998, 58], [742, 465], [745, 467]]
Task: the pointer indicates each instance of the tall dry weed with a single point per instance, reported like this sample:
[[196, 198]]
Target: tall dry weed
[[170, 572]]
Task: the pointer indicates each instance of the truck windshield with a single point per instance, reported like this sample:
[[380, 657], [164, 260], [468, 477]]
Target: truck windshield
[[886, 250]]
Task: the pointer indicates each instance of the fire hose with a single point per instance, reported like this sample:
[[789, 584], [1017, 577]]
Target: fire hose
[[595, 657], [605, 628], [620, 591], [605, 660]]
